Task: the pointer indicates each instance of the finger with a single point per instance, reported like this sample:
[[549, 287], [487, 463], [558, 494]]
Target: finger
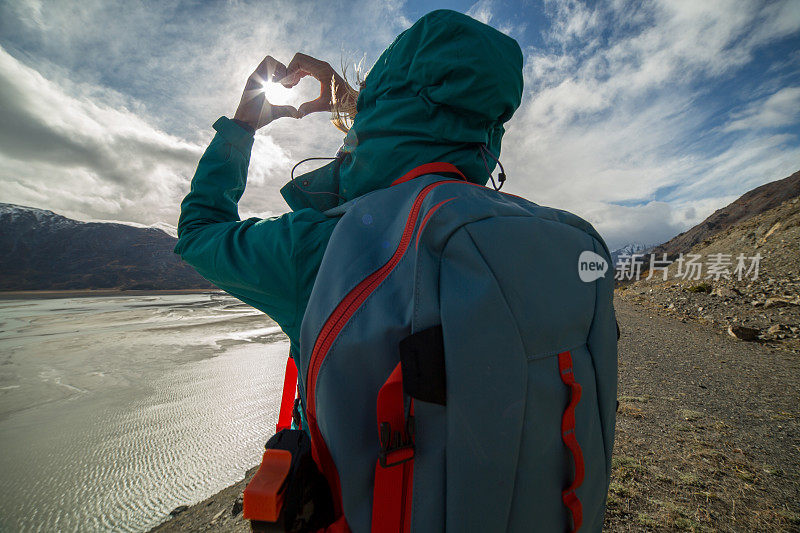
[[279, 111], [267, 69], [293, 72], [253, 99], [280, 72], [293, 77], [323, 103], [303, 65]]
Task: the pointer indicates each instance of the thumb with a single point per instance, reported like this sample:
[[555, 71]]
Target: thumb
[[279, 111], [323, 103]]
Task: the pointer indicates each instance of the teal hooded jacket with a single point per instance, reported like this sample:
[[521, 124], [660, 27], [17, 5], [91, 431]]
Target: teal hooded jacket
[[442, 89]]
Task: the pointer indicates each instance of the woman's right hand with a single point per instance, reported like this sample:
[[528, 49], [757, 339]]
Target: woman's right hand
[[303, 65], [254, 108]]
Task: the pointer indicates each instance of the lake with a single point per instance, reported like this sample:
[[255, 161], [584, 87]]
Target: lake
[[114, 410]]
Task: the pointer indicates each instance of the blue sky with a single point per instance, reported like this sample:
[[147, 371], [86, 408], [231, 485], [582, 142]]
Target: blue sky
[[642, 117]]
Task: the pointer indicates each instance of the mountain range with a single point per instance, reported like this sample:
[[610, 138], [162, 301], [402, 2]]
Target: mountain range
[[750, 204], [746, 274], [46, 251], [630, 249], [43, 250]]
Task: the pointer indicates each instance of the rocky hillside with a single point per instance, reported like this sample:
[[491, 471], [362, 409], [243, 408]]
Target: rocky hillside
[[750, 204], [761, 302], [46, 251]]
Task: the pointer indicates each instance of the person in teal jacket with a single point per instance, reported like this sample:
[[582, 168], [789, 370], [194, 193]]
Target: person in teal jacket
[[440, 92]]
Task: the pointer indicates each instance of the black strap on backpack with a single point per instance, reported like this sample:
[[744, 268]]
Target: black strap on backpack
[[422, 358]]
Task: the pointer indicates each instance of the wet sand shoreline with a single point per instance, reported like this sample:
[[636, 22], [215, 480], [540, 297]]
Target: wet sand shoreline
[[119, 406]]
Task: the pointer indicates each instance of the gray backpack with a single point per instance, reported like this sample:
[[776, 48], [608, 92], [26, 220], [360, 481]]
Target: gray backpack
[[458, 363]]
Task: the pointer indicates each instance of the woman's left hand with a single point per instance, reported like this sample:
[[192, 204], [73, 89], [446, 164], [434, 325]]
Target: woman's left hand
[[254, 108], [303, 65]]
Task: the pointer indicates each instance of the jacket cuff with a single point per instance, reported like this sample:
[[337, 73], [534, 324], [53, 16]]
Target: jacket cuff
[[235, 134]]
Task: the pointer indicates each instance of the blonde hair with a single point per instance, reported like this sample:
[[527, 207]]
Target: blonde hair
[[343, 111]]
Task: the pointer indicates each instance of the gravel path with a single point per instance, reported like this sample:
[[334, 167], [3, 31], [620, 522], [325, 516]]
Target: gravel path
[[707, 430], [708, 435]]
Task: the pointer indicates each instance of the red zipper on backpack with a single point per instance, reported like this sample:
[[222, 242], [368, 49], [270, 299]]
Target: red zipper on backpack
[[356, 297], [334, 325]]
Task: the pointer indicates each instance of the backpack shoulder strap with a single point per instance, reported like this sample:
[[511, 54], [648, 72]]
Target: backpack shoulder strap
[[394, 470], [288, 396]]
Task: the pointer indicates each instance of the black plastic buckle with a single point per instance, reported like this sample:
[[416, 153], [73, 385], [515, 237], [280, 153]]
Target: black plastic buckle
[[296, 417], [393, 441]]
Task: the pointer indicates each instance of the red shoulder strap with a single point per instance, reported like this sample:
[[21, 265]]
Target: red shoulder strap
[[394, 471], [289, 393], [569, 497], [429, 168]]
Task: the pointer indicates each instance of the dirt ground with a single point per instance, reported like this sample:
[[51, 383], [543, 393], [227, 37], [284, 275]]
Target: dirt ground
[[708, 434], [707, 430]]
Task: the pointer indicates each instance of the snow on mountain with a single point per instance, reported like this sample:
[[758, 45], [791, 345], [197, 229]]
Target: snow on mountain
[[169, 229], [11, 212], [14, 213], [630, 249]]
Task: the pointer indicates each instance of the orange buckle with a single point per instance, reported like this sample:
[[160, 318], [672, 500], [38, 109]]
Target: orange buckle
[[263, 497]]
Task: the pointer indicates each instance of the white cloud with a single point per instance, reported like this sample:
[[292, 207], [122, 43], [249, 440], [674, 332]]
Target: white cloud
[[779, 109], [482, 11], [618, 108], [652, 223], [572, 20], [108, 107], [78, 156], [105, 113]]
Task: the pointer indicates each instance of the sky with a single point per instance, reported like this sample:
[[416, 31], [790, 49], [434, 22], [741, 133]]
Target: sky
[[642, 117]]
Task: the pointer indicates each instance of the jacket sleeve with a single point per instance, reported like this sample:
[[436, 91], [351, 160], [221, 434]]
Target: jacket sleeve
[[254, 260]]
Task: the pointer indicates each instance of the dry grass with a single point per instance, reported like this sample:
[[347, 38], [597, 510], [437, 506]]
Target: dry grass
[[694, 481], [706, 434]]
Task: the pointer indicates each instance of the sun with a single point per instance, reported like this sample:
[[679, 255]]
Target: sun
[[277, 94]]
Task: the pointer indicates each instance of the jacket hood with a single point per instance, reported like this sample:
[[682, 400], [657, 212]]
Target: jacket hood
[[443, 87]]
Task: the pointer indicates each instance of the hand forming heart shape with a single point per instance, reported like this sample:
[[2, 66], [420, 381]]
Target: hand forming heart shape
[[256, 110], [303, 65]]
